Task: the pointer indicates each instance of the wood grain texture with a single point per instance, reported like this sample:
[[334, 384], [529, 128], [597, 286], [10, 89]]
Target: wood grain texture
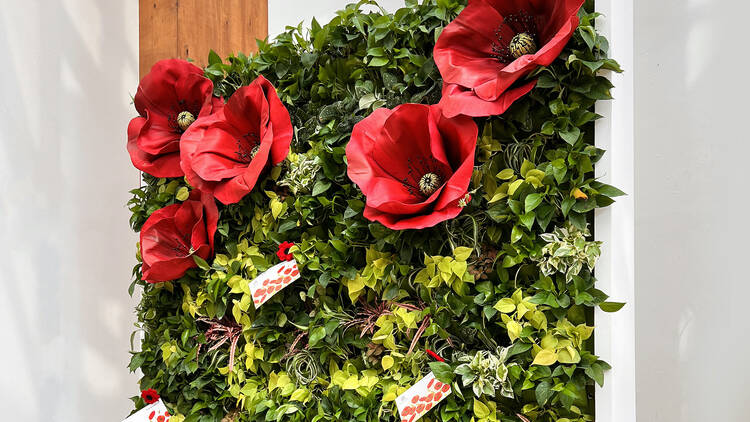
[[191, 28], [157, 21]]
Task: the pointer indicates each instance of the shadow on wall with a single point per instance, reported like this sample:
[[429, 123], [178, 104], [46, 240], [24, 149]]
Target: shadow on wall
[[691, 201], [68, 69]]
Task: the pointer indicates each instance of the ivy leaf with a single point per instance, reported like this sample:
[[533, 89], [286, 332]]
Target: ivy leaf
[[317, 334], [320, 187], [481, 411], [545, 358], [213, 58], [532, 201], [201, 263], [611, 306], [442, 371], [571, 135], [596, 372], [543, 392], [607, 190]]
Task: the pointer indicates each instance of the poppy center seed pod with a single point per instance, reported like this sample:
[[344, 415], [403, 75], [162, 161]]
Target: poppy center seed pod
[[185, 119], [522, 44], [429, 183]]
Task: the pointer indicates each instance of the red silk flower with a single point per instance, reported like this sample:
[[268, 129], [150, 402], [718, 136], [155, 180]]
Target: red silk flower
[[492, 44], [413, 164], [173, 234], [283, 252], [169, 98], [150, 396], [225, 153]]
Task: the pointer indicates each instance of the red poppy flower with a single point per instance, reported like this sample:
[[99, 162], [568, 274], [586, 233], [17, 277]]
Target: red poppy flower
[[413, 164], [169, 98], [494, 43], [172, 235], [283, 252], [225, 153], [150, 396]]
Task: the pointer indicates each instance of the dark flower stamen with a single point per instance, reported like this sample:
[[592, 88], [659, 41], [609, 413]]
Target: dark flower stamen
[[516, 36], [248, 146], [424, 177]]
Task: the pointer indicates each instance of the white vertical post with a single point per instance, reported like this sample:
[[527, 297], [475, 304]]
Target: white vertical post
[[615, 333]]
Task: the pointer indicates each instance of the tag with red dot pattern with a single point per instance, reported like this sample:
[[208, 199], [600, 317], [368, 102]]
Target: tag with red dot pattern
[[155, 412], [421, 398], [272, 280]]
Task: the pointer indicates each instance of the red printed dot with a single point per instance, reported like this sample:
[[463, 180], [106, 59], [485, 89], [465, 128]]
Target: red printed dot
[[160, 419], [415, 399], [265, 282], [438, 396], [287, 280], [420, 408], [295, 273], [151, 416], [429, 384], [287, 271], [438, 385], [446, 387], [281, 268]]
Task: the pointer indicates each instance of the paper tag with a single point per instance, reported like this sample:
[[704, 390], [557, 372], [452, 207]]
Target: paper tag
[[421, 397], [272, 280], [155, 412]]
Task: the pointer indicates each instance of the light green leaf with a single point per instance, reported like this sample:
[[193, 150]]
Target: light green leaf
[[532, 201], [481, 411], [317, 334], [611, 306], [545, 358], [505, 305], [506, 174]]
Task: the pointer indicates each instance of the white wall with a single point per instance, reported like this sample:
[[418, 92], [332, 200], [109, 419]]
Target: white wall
[[692, 202], [68, 68]]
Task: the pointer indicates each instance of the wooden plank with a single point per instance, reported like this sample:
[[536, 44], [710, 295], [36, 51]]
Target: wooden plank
[[158, 32], [189, 29], [226, 26]]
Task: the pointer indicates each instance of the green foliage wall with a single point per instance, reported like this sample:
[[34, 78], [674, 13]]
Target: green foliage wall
[[505, 292]]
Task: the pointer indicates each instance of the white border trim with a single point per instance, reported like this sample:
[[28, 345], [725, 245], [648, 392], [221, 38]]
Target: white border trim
[[615, 333]]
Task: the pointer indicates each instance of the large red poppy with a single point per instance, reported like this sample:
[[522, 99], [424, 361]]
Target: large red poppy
[[170, 97], [413, 164], [173, 234], [225, 153], [492, 44]]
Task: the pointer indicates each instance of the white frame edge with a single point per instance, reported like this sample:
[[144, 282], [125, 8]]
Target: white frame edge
[[615, 334]]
